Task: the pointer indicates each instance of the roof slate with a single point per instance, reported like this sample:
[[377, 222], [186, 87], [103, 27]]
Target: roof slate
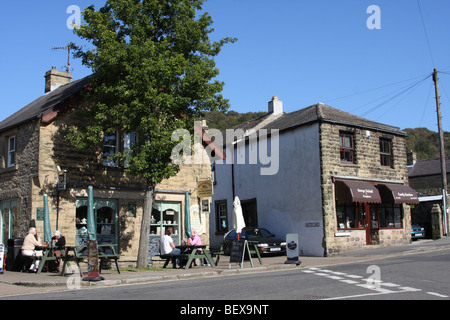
[[325, 113], [428, 167], [44, 104]]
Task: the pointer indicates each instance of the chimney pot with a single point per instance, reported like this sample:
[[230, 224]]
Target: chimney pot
[[55, 78], [275, 106]]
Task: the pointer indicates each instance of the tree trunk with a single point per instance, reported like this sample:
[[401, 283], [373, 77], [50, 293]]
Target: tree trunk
[[142, 258]]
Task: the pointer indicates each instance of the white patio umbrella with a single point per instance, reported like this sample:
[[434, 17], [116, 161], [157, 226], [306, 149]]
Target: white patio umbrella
[[238, 217]]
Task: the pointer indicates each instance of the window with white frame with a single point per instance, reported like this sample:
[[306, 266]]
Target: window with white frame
[[11, 152], [221, 216]]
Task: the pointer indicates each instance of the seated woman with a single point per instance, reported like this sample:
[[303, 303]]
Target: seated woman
[[28, 248]]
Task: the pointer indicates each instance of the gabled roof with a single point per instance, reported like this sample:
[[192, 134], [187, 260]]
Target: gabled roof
[[315, 113], [44, 104], [323, 113], [428, 167]]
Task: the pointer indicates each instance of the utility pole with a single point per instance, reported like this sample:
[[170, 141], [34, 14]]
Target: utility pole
[[442, 151]]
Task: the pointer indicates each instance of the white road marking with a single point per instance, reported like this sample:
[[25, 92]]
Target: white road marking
[[438, 295], [375, 285]]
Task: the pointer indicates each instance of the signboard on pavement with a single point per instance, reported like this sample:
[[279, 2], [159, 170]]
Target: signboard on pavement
[[292, 248], [2, 251]]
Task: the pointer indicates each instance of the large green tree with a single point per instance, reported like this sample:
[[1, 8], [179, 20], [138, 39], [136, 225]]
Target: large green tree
[[153, 72]]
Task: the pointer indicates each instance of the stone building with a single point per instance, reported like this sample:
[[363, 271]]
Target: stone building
[[337, 180], [426, 178], [37, 159]]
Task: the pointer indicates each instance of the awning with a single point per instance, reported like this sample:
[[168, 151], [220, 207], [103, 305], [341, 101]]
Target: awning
[[356, 191], [398, 193]]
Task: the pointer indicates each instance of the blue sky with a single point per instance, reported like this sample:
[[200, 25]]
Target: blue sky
[[304, 52]]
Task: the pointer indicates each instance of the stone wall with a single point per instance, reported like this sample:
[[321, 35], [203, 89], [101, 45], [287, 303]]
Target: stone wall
[[16, 182], [366, 166], [85, 167]]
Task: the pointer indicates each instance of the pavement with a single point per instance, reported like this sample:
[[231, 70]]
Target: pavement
[[18, 283]]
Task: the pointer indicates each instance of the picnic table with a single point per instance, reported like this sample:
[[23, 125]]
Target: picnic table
[[189, 253], [48, 254], [78, 253]]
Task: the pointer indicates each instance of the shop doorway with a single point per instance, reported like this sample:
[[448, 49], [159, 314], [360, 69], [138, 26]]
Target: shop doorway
[[164, 214], [9, 220], [368, 220], [249, 211]]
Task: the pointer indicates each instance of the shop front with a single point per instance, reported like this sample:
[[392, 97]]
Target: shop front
[[105, 216], [165, 214], [374, 209]]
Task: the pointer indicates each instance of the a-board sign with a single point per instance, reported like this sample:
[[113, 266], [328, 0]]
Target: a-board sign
[[237, 250], [2, 251], [292, 249]]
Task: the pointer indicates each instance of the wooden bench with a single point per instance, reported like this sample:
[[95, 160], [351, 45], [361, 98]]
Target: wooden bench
[[107, 252], [169, 257]]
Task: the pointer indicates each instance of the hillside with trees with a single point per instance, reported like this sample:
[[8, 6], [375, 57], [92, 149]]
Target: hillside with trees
[[424, 142], [226, 120]]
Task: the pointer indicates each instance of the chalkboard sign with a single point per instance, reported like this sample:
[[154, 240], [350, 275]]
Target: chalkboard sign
[[237, 250]]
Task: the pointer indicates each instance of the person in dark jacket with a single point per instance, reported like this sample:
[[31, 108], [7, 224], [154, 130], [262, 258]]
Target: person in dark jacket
[[58, 241]]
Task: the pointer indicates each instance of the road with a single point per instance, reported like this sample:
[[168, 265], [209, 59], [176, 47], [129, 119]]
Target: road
[[415, 276]]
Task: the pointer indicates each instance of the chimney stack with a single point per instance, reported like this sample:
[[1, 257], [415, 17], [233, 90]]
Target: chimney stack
[[275, 106], [411, 158], [55, 78]]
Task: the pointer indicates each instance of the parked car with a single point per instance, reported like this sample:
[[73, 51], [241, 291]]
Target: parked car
[[267, 242], [417, 232]]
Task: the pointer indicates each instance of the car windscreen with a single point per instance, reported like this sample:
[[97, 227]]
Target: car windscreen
[[253, 234]]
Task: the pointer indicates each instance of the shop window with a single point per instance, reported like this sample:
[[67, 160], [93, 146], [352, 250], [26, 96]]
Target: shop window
[[346, 216], [347, 147], [105, 217], [386, 158], [105, 225], [391, 216], [221, 216], [351, 216], [81, 225], [165, 214]]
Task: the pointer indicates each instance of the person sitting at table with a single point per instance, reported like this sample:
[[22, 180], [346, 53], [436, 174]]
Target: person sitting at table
[[196, 241], [28, 248], [167, 247], [59, 241]]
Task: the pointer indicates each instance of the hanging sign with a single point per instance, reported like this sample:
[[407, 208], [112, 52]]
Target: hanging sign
[[62, 181], [2, 251], [204, 188]]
